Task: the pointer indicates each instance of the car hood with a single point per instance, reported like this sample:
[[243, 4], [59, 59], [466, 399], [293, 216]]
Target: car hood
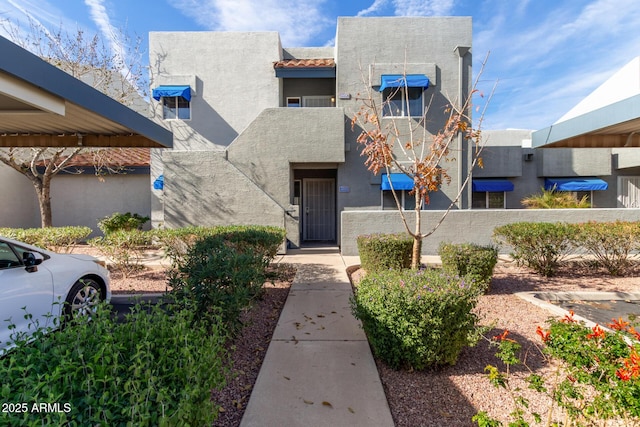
[[81, 257]]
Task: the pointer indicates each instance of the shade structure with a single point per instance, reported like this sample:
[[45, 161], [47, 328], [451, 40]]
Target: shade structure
[[491, 185], [401, 80], [399, 181], [575, 184], [171, 91]]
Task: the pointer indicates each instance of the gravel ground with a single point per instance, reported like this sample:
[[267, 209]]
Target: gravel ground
[[443, 397]]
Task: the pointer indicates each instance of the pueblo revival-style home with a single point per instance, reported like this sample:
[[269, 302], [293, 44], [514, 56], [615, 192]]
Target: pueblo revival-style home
[[262, 135]]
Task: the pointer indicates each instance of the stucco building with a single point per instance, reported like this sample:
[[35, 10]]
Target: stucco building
[[262, 135]]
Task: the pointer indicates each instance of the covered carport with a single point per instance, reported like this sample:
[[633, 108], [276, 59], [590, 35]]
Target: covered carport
[[42, 106]]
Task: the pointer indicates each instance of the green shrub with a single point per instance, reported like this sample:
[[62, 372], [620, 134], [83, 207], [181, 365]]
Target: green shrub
[[123, 248], [59, 239], [177, 241], [416, 318], [540, 246], [469, 260], [379, 252], [609, 242], [157, 368], [118, 221], [218, 277]]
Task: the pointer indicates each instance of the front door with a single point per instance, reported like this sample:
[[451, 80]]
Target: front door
[[319, 209]]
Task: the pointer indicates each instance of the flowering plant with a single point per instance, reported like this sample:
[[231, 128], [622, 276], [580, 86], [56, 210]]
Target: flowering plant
[[596, 379]]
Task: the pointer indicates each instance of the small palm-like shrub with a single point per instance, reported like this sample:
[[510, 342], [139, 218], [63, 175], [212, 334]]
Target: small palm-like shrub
[[417, 318], [551, 199]]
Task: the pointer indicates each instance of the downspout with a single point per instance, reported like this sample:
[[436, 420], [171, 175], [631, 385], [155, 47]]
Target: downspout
[[461, 51]]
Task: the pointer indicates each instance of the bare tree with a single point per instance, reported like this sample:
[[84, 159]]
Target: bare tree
[[116, 74], [404, 144]]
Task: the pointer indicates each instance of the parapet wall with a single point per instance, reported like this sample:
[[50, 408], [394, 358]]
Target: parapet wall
[[464, 226]]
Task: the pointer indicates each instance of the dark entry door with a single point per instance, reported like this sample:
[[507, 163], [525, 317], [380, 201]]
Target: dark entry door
[[319, 209]]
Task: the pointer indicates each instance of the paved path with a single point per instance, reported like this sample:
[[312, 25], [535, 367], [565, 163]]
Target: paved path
[[318, 370]]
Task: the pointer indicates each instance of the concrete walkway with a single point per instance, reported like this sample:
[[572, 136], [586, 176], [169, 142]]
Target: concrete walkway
[[318, 370]]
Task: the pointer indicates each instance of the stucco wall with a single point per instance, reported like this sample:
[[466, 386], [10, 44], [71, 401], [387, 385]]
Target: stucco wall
[[371, 46], [234, 79], [75, 199], [466, 226], [203, 188], [18, 201], [84, 200]]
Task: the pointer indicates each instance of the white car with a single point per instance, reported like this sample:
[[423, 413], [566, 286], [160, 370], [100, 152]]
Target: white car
[[46, 285]]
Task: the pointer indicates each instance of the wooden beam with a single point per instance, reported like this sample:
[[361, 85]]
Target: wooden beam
[[72, 141]]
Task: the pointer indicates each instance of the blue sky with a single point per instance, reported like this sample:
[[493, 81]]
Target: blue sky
[[545, 55]]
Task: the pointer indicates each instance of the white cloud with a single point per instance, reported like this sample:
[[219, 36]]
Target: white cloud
[[423, 7], [297, 21], [549, 59], [376, 6]]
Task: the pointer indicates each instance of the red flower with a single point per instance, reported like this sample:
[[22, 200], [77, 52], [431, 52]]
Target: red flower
[[598, 332], [632, 331], [619, 324], [503, 337], [568, 318], [545, 335], [623, 374]]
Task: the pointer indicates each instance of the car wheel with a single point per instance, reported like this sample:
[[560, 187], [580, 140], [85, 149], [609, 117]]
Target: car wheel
[[83, 299]]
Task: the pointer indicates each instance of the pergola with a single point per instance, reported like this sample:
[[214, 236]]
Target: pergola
[[42, 106]]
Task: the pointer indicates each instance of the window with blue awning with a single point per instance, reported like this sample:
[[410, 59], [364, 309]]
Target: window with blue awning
[[401, 80], [172, 91], [399, 181], [491, 185], [575, 184]]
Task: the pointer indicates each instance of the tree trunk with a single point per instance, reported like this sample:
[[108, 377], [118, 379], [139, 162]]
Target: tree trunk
[[44, 200], [416, 252], [417, 237]]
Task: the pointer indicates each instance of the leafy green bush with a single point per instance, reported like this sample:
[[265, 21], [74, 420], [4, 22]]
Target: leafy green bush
[[123, 248], [218, 277], [469, 260], [416, 318], [59, 239], [540, 246], [379, 252], [177, 241], [118, 221], [609, 242], [157, 368]]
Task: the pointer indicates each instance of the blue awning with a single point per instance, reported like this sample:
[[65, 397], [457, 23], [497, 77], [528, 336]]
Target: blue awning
[[158, 184], [575, 184], [399, 181], [170, 91], [400, 80], [492, 185]]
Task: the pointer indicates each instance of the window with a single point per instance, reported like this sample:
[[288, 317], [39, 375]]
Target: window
[[408, 201], [629, 192], [175, 107], [310, 101], [399, 104], [294, 102], [488, 200], [8, 258]]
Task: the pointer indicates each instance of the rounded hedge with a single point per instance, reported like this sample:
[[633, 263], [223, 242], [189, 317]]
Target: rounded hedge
[[379, 252]]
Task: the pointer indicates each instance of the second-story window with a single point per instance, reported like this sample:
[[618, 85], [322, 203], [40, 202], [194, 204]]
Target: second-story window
[[176, 107], [402, 102], [402, 94], [175, 100]]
